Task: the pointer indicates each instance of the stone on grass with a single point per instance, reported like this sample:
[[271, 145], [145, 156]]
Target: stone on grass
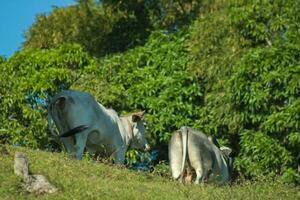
[[32, 183]]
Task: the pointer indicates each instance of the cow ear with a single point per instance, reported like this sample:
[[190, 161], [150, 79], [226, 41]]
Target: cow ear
[[226, 150], [138, 116]]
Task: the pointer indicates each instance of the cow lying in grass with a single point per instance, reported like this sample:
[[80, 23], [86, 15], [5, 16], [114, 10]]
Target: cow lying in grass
[[192, 150], [82, 123]]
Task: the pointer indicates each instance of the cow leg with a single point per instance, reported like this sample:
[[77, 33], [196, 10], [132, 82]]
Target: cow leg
[[80, 143], [201, 172], [202, 175], [199, 175], [176, 172], [120, 156], [197, 164], [69, 144]]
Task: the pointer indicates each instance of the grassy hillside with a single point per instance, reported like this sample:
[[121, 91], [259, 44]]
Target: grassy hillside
[[91, 180]]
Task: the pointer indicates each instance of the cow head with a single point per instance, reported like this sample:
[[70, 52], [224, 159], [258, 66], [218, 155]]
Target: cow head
[[138, 130], [229, 160]]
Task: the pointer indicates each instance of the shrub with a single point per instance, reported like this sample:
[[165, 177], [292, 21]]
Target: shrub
[[264, 90]]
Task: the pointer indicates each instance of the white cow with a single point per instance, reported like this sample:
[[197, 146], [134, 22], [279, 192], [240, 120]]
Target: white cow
[[192, 150], [84, 123]]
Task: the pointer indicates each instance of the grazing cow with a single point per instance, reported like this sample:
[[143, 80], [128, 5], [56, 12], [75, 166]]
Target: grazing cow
[[84, 123], [190, 149]]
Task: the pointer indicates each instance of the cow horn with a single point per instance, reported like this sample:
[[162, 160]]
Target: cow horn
[[138, 116]]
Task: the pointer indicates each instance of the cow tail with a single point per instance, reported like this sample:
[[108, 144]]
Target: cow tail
[[74, 131], [184, 134], [50, 121], [51, 108]]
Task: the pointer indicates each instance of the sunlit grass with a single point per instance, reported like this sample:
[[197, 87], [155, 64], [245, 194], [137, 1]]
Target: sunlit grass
[[93, 180]]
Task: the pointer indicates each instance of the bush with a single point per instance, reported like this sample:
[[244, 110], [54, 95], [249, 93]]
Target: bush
[[265, 90], [266, 23], [261, 155]]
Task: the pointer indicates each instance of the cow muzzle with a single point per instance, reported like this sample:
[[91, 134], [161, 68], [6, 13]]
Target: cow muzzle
[[147, 147]]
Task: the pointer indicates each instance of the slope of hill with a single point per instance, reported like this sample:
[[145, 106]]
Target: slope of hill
[[92, 180]]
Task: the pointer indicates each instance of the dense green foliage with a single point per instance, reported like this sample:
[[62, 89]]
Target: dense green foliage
[[265, 90], [233, 72]]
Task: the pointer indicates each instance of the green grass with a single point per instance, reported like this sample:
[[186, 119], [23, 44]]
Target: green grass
[[92, 180]]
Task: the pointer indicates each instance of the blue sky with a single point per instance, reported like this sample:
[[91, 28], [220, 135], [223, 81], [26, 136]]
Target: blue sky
[[17, 16]]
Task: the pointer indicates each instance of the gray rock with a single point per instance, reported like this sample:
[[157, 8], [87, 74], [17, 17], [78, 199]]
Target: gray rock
[[37, 184], [21, 166]]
